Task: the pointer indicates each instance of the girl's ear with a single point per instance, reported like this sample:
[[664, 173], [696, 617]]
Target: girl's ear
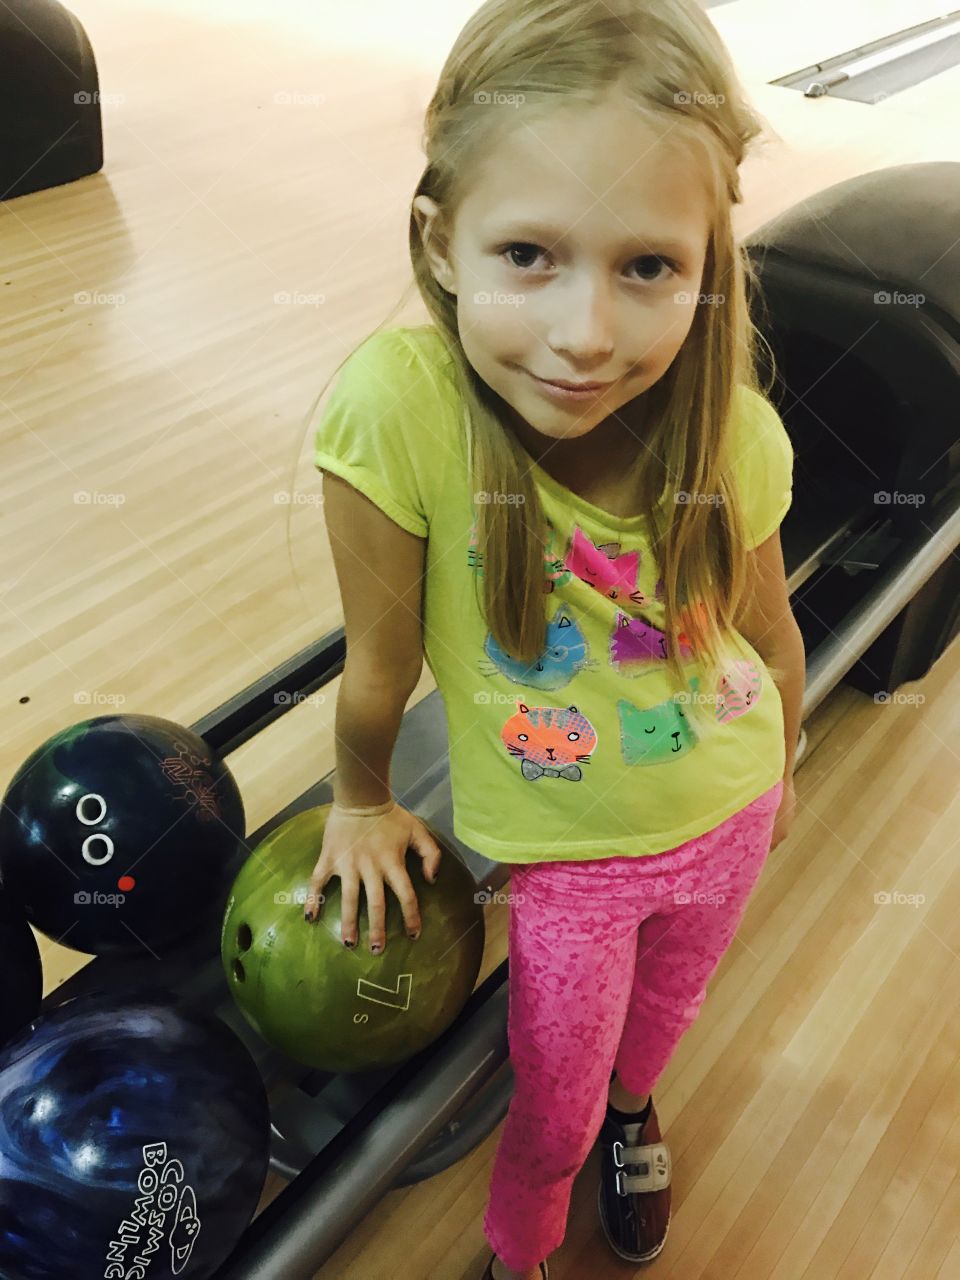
[[435, 243]]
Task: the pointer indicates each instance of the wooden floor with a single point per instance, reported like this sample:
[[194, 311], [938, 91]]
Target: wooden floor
[[248, 229]]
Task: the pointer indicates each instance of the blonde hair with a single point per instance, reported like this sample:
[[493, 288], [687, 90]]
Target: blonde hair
[[667, 58]]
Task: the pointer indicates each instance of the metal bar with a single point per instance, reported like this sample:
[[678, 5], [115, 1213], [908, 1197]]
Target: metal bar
[[248, 712], [316, 1213]]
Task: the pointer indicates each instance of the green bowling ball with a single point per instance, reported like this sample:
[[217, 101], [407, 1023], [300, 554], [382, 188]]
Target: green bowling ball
[[323, 1004]]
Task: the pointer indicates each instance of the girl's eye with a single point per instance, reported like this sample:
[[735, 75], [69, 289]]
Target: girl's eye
[[525, 248], [510, 249]]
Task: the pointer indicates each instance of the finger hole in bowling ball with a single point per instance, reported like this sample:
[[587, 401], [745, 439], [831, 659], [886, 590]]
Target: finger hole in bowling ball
[[244, 937], [239, 972]]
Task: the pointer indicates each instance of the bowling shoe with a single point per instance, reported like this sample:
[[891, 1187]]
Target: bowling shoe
[[488, 1274], [634, 1192]]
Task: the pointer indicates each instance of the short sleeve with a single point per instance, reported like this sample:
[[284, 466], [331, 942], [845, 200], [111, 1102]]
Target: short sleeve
[[381, 429], [762, 465]]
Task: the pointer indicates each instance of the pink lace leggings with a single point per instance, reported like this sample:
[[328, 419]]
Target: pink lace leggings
[[609, 965]]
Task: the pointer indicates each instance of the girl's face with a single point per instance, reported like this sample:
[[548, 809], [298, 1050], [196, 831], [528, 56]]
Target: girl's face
[[577, 256]]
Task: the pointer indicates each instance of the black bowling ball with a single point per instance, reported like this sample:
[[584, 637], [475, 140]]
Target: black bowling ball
[[116, 835]]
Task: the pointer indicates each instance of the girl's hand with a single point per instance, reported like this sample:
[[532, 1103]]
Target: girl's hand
[[784, 819], [371, 851]]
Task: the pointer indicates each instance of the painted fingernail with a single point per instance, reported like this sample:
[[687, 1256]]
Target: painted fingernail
[[349, 942], [413, 933], [376, 948]]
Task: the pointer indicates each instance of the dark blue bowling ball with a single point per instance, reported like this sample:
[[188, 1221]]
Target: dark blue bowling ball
[[134, 1142], [117, 834], [21, 973]]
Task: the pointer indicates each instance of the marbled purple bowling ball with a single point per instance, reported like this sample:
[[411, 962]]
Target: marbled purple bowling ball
[[129, 1129], [117, 835]]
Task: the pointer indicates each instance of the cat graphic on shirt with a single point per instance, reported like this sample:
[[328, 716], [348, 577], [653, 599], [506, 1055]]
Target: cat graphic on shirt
[[605, 568], [549, 742], [564, 655]]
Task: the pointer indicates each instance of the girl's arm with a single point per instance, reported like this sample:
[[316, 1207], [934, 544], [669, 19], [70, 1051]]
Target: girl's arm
[[380, 573]]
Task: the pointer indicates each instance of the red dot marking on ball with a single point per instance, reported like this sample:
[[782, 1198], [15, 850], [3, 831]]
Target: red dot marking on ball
[[126, 883]]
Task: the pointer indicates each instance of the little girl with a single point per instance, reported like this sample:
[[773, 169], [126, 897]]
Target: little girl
[[576, 458]]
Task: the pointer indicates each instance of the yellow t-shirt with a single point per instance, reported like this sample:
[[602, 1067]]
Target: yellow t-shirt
[[583, 754]]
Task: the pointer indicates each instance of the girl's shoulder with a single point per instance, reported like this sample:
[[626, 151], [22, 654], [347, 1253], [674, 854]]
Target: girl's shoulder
[[405, 371], [761, 461], [758, 436], [387, 427], [422, 342]]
